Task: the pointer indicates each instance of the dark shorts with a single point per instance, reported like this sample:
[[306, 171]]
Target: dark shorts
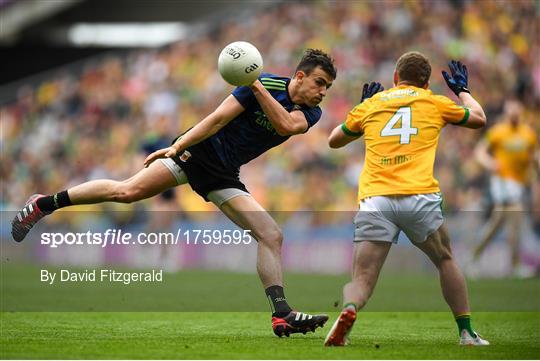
[[205, 170]]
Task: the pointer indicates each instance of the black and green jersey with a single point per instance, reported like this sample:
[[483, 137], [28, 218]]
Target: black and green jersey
[[251, 133]]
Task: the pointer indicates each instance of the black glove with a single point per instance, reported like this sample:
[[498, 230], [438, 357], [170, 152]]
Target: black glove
[[459, 79], [370, 90]]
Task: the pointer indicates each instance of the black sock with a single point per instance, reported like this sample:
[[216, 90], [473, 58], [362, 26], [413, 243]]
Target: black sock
[[278, 303], [53, 202]]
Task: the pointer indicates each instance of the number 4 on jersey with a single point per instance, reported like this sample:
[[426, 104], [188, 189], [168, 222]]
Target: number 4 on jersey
[[405, 132]]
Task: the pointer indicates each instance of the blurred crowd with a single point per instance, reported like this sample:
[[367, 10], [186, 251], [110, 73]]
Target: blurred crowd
[[92, 123]]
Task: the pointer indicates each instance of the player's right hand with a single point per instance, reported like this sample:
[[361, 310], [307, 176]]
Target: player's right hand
[[162, 153], [370, 90]]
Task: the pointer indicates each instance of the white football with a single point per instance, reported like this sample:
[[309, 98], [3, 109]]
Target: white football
[[240, 63]]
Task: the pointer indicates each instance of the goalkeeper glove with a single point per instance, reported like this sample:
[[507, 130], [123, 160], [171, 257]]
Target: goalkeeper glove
[[457, 82], [370, 90]]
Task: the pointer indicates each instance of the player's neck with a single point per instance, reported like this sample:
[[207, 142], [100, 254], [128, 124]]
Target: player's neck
[[405, 83], [294, 94]]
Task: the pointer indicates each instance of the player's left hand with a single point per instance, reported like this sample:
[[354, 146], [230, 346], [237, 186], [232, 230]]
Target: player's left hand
[[370, 90], [162, 153]]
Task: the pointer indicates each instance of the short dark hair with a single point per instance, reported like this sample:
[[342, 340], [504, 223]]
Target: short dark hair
[[414, 68], [315, 57]]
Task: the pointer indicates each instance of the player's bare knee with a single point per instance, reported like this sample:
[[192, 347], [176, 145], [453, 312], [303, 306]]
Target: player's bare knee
[[275, 237], [443, 255], [127, 193], [272, 237]]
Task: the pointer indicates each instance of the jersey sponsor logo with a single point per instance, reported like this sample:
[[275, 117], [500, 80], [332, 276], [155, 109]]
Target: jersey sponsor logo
[[398, 159], [263, 121], [515, 145], [399, 93]]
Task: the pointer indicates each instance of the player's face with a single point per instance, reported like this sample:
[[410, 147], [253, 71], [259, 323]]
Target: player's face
[[512, 110], [313, 87]]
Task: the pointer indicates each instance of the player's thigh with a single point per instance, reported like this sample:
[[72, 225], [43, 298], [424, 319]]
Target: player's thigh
[[153, 180], [368, 258], [375, 220], [506, 192], [437, 245], [248, 214], [420, 215]]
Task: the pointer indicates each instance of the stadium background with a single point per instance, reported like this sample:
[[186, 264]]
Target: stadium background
[[71, 113], [92, 119]]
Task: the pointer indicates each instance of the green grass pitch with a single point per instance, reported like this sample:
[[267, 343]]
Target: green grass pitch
[[393, 326]]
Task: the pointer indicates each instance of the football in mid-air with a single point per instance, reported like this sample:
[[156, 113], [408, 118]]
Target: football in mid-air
[[240, 63]]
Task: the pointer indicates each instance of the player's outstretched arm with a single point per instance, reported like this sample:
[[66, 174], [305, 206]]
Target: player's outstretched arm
[[229, 109], [338, 138], [477, 117], [457, 81]]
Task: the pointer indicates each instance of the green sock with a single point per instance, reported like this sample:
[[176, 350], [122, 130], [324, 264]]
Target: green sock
[[464, 323], [350, 305]]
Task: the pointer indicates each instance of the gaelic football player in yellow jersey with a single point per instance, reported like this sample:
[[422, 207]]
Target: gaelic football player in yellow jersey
[[397, 190], [508, 152]]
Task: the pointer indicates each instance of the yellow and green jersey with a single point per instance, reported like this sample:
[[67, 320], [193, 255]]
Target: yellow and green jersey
[[401, 127], [512, 148]]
